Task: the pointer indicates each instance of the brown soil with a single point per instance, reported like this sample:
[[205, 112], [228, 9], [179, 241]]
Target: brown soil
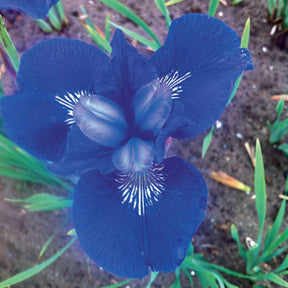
[[245, 119]]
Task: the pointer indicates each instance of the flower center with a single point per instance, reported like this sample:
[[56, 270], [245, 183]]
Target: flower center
[[142, 189]]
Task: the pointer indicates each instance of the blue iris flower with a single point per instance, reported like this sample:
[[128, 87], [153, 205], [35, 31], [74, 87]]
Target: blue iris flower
[[34, 8], [107, 120]]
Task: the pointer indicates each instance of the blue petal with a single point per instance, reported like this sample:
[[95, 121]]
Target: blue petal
[[82, 155], [200, 61], [127, 72], [101, 120], [36, 124], [135, 155], [152, 104], [34, 8], [128, 235], [51, 76]]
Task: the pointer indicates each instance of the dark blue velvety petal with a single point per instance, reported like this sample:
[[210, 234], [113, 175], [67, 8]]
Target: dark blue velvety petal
[[135, 155], [127, 71], [34, 8], [200, 62], [36, 124], [82, 155], [101, 120], [52, 77], [128, 228]]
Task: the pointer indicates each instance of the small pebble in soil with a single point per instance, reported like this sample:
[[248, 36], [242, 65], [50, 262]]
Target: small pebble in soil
[[264, 49], [220, 14], [225, 146], [239, 135], [218, 124], [192, 273], [271, 68]]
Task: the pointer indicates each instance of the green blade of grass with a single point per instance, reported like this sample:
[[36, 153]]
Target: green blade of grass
[[107, 27], [45, 246], [1, 94], [138, 37], [164, 10], [280, 106], [213, 5], [235, 236], [283, 265], [53, 18], [235, 2], [36, 269], [61, 12], [260, 191], [172, 2], [274, 279], [8, 46], [207, 141], [122, 9], [43, 202], [46, 27], [153, 276]]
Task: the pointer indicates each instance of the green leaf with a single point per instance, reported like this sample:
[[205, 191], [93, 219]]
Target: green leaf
[[280, 106], [237, 83], [107, 27], [36, 269], [213, 5], [44, 202], [274, 278], [245, 34], [164, 10], [61, 12], [172, 2], [53, 18], [46, 27], [207, 141], [45, 246], [8, 46], [284, 148], [235, 2], [116, 5], [136, 36], [278, 130], [153, 276], [260, 191], [235, 236]]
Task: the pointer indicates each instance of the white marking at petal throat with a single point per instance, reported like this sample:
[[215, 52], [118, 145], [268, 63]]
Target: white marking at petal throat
[[68, 101], [142, 189], [173, 81]]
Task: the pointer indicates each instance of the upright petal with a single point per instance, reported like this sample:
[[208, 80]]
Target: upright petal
[[127, 227], [34, 8], [127, 72], [82, 155], [53, 75], [200, 62]]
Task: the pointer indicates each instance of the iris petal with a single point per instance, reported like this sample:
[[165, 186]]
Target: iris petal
[[200, 61], [135, 155], [34, 8], [125, 243], [82, 155], [101, 120], [152, 104], [36, 124], [127, 72], [51, 76]]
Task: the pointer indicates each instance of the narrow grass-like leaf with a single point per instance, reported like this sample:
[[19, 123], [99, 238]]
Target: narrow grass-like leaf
[[235, 2], [246, 34], [153, 276], [274, 279], [118, 285], [213, 5], [44, 202], [164, 10], [98, 39], [45, 246], [237, 83], [280, 106], [260, 191], [61, 12], [138, 37], [284, 148], [8, 46], [172, 2], [207, 141], [36, 269], [1, 94], [283, 265], [278, 130], [53, 18], [235, 236], [107, 27], [116, 5], [46, 27]]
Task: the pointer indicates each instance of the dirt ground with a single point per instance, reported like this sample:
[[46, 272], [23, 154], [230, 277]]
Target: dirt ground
[[245, 119]]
